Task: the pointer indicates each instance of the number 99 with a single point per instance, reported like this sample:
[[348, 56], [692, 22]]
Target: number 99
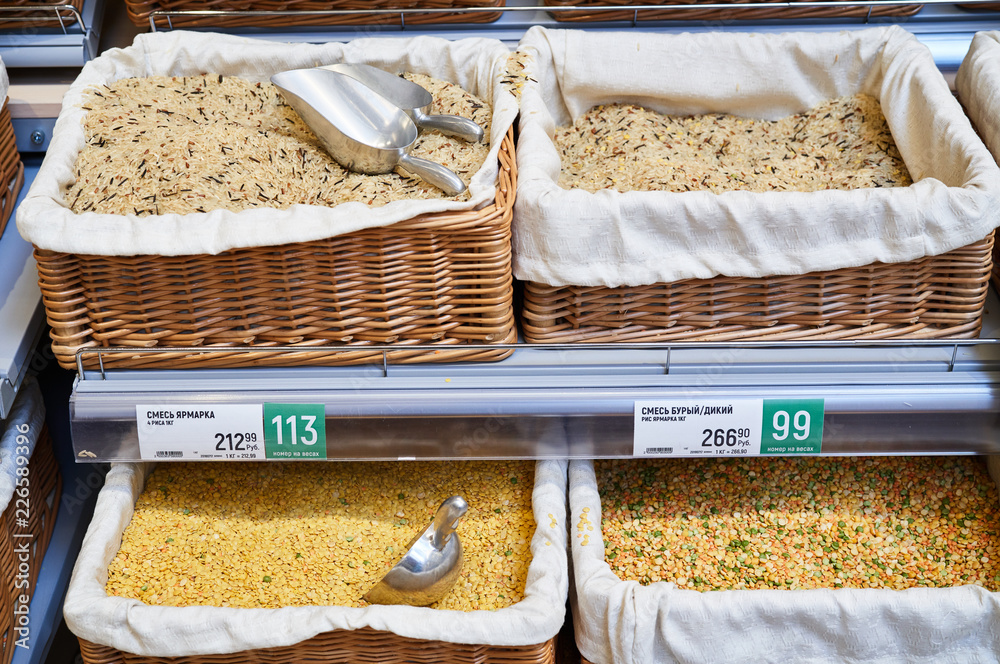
[[800, 424]]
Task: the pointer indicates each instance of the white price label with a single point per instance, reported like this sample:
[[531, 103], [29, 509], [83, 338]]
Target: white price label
[[705, 427], [728, 427], [171, 432]]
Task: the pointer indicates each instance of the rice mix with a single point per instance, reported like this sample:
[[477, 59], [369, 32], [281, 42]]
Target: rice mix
[[719, 524], [843, 143], [273, 534], [160, 145], [518, 66]]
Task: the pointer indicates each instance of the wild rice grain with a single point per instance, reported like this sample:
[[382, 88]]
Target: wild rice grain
[[844, 143], [195, 142]]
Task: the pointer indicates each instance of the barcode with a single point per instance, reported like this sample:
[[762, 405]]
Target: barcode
[[169, 453], [659, 450]]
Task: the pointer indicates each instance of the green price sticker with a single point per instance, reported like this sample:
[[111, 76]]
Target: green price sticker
[[792, 426], [294, 431]]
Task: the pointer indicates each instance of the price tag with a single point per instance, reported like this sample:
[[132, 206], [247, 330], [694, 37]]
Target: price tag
[[171, 432], [295, 431], [792, 426], [728, 427]]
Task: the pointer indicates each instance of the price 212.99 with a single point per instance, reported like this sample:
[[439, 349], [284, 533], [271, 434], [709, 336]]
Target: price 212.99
[[236, 442]]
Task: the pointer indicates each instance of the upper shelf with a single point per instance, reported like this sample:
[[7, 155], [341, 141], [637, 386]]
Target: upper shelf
[[943, 26], [579, 401], [887, 397], [71, 44]]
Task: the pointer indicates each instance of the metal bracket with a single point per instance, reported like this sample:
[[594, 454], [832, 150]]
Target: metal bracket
[[55, 9]]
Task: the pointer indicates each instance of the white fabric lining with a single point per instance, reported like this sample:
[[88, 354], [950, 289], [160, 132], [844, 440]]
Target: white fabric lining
[[131, 626], [43, 218], [573, 237], [623, 622]]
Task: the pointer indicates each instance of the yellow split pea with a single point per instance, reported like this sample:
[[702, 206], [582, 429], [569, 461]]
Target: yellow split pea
[[266, 535]]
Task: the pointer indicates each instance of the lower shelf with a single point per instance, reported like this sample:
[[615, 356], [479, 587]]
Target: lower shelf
[[80, 486]]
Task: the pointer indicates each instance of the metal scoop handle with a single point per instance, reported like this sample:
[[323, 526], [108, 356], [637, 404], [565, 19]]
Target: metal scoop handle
[[433, 173], [446, 520], [452, 125], [413, 99], [431, 565]]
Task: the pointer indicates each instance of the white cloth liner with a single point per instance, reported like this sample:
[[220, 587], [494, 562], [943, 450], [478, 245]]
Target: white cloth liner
[[978, 86], [131, 626], [43, 219], [4, 81], [573, 237], [28, 410], [627, 623]]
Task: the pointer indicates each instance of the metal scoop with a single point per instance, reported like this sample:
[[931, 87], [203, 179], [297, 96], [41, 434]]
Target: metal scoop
[[412, 98], [361, 130], [431, 564]]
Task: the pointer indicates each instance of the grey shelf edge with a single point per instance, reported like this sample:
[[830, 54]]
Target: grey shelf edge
[[21, 314], [578, 402], [944, 28], [54, 47]]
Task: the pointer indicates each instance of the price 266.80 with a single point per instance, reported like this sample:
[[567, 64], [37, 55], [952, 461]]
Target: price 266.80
[[726, 437]]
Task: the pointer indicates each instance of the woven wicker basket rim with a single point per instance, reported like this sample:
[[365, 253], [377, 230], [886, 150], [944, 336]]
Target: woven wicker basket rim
[[139, 12], [736, 11], [473, 283], [344, 646], [933, 297], [41, 18]]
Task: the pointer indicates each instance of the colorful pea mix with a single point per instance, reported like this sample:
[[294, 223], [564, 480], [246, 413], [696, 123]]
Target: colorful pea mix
[[797, 523]]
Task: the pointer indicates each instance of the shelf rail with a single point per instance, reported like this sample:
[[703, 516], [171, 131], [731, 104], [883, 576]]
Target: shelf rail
[[667, 348], [57, 10], [881, 396], [401, 13]]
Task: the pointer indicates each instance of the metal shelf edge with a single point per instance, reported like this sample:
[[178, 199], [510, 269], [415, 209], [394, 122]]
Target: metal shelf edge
[[21, 314]]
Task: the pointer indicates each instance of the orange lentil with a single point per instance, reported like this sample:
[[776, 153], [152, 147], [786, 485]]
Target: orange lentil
[[884, 522]]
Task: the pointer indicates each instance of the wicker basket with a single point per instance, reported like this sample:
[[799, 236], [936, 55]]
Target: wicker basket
[[528, 629], [349, 647], [442, 278], [736, 13], [995, 272], [933, 297], [139, 11], [661, 621], [43, 501], [11, 167], [38, 18]]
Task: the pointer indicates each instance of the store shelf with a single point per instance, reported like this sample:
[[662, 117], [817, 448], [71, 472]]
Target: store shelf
[[80, 485], [21, 315], [943, 27], [572, 401], [70, 46], [578, 401], [34, 101], [36, 95]]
